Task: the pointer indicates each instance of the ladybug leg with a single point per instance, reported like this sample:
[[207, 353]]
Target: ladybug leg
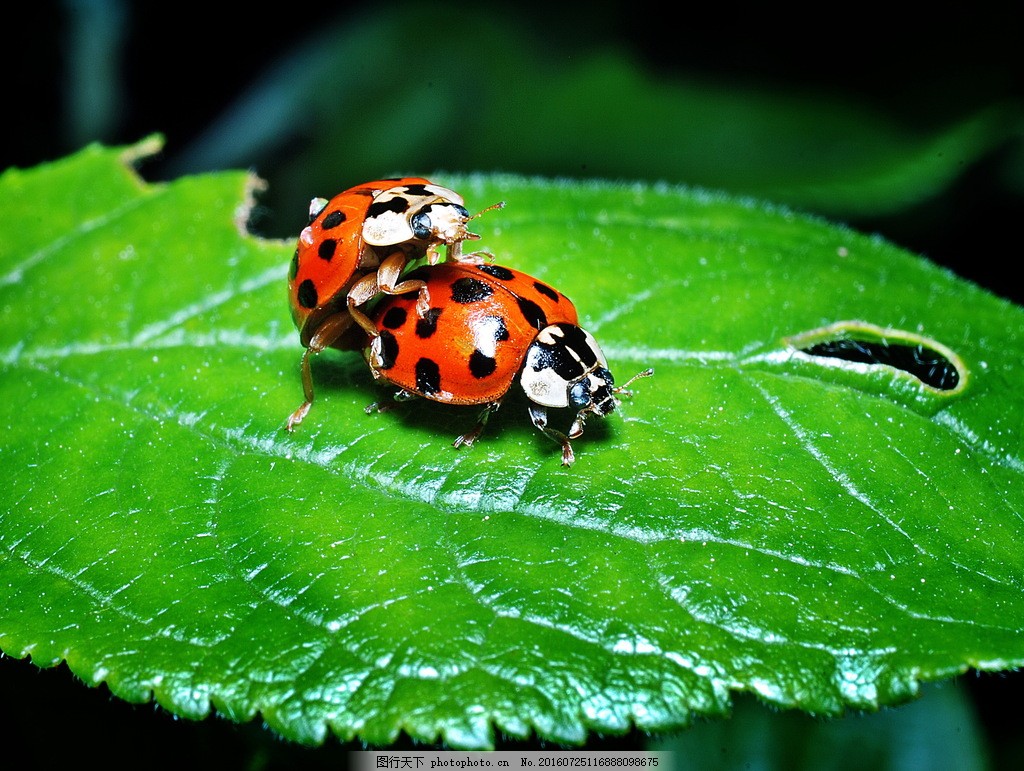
[[434, 253], [388, 275], [328, 333], [455, 253], [539, 416], [364, 290], [475, 258], [578, 424], [473, 434]]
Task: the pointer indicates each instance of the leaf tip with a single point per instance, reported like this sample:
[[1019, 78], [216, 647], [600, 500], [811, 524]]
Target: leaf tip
[[144, 148]]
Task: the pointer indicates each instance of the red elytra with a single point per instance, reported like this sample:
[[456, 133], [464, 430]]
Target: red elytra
[[488, 324], [471, 344], [331, 255]]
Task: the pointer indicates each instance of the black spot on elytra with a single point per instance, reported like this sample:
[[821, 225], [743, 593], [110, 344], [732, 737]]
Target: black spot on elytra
[[481, 365], [497, 271], [326, 249], [428, 376], [388, 350], [545, 290], [396, 204], [427, 326], [470, 290], [333, 219], [532, 312], [293, 269], [394, 318], [307, 294]]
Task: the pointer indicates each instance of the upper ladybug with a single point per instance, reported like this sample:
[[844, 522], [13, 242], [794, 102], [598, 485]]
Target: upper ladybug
[[487, 325], [356, 246]]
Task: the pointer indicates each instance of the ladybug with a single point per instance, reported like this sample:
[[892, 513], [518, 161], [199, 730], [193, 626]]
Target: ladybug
[[356, 246], [487, 326]]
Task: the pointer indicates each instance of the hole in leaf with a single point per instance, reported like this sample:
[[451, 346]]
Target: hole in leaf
[[926, 364], [862, 353]]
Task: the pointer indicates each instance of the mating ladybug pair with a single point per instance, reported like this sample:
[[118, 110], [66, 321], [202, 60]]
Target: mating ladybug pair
[[458, 331]]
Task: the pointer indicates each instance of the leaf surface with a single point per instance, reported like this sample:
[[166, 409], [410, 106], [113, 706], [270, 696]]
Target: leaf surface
[[762, 515]]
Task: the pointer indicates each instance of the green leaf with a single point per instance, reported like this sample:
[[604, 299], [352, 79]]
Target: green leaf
[[795, 505]]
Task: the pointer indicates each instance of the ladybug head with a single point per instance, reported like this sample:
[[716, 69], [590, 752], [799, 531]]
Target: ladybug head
[[442, 221], [424, 214], [565, 368], [593, 392]]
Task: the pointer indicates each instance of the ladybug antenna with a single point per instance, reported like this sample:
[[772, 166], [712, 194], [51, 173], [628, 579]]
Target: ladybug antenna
[[498, 205], [466, 235], [622, 389]]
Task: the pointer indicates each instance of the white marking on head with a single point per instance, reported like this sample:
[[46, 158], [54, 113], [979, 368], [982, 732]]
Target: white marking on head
[[387, 229], [551, 335], [545, 387]]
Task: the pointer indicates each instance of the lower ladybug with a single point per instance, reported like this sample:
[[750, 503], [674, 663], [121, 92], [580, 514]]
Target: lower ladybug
[[487, 326]]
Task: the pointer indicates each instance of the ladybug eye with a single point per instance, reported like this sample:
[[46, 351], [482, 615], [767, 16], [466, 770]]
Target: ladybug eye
[[603, 374], [421, 225], [579, 394]]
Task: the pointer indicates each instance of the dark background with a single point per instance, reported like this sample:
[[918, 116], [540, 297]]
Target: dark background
[[174, 69]]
